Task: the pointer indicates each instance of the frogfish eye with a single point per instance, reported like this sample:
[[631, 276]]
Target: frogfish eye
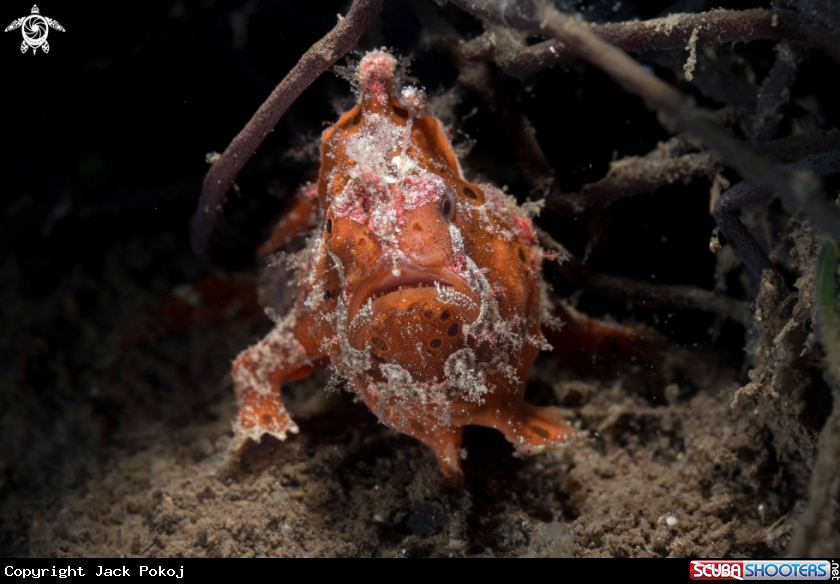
[[329, 225], [447, 206]]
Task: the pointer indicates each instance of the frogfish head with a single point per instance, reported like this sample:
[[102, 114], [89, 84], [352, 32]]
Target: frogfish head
[[392, 189]]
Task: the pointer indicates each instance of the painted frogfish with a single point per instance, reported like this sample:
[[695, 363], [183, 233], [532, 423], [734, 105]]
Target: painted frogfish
[[421, 290]]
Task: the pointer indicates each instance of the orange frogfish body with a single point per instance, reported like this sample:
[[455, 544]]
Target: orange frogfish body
[[422, 290]]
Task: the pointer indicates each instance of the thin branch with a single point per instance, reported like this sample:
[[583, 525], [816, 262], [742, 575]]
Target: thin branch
[[729, 85], [643, 293], [634, 175], [482, 48], [671, 32], [670, 163], [817, 208], [793, 148], [775, 91], [541, 17], [321, 56]]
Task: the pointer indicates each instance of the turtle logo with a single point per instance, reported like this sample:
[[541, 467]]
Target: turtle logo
[[35, 28]]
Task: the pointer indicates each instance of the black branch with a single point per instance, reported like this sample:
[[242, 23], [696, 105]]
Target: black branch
[[320, 57]]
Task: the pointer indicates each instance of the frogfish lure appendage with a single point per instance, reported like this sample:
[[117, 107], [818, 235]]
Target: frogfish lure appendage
[[421, 289]]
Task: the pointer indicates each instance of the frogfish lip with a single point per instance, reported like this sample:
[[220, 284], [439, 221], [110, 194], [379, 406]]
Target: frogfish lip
[[390, 286]]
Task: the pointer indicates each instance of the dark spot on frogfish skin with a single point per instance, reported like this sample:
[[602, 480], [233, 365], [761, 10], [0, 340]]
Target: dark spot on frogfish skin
[[539, 431], [521, 254], [400, 112], [327, 295], [434, 343], [445, 315], [469, 192], [379, 344], [453, 329]]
